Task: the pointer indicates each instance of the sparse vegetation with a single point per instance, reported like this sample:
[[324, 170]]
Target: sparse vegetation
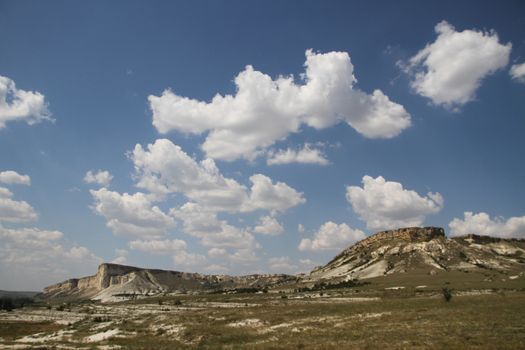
[[8, 304], [341, 319], [447, 294]]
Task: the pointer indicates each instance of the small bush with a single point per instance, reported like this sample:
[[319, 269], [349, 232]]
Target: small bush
[[447, 294], [101, 319], [6, 304]]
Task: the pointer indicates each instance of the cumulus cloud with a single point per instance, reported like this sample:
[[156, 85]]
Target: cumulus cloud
[[268, 225], [18, 104], [264, 110], [451, 69], [14, 211], [332, 236], [269, 196], [121, 256], [41, 258], [216, 269], [165, 168], [166, 246], [102, 178], [188, 260], [300, 228], [284, 264], [482, 224], [10, 177], [306, 155], [131, 214], [387, 205], [213, 232], [517, 72], [217, 253]]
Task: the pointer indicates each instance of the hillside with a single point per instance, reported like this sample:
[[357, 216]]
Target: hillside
[[113, 282], [411, 254], [427, 249]]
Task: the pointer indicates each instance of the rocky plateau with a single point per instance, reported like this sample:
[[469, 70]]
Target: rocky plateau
[[385, 253]]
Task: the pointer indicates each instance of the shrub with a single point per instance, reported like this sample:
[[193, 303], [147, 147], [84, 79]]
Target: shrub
[[447, 294], [6, 304]]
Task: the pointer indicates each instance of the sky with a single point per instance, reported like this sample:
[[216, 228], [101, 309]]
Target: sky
[[236, 137]]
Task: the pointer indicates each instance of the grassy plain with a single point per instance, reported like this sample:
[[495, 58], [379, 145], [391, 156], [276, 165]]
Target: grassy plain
[[376, 315]]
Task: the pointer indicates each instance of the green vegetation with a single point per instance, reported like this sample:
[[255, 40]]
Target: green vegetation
[[8, 303], [448, 309], [447, 294]]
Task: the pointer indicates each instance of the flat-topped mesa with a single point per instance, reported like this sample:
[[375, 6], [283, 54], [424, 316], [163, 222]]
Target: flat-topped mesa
[[409, 234], [106, 271], [482, 239]]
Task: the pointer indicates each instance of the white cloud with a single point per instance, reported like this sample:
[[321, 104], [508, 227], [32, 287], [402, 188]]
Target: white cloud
[[165, 168], [268, 225], [204, 224], [387, 205], [30, 235], [189, 260], [217, 253], [102, 178], [300, 228], [332, 236], [158, 246], [269, 196], [306, 155], [14, 211], [482, 224], [264, 110], [284, 264], [122, 256], [517, 72], [217, 269], [31, 258], [131, 214], [11, 177], [18, 104], [451, 69]]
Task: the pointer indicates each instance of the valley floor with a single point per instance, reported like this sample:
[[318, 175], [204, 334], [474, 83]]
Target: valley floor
[[334, 319]]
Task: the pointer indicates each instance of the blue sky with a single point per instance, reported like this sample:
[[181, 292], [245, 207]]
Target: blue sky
[[87, 86]]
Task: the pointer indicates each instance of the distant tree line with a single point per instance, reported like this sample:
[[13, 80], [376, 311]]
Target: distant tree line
[[8, 304]]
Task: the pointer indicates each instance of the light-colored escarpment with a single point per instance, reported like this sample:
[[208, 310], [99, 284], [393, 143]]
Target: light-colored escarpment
[[422, 248], [113, 281]]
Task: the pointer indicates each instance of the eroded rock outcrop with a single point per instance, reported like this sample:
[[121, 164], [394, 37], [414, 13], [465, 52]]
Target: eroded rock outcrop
[[113, 281], [424, 249]]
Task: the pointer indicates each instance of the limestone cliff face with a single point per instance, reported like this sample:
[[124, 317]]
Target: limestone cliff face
[[113, 279], [423, 249], [91, 284], [408, 234]]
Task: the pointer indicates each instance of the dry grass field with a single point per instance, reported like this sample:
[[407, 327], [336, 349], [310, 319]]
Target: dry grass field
[[367, 317]]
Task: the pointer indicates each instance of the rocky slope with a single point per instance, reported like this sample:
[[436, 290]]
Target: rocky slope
[[113, 282], [427, 248]]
